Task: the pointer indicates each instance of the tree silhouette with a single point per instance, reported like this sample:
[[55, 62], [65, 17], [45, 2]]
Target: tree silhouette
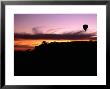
[[44, 42]]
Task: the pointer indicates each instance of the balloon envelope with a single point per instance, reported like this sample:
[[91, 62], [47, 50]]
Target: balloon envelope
[[85, 26]]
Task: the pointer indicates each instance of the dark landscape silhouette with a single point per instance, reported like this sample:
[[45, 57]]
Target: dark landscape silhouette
[[77, 58]]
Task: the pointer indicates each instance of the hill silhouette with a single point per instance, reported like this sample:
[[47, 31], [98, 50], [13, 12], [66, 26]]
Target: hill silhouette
[[57, 59]]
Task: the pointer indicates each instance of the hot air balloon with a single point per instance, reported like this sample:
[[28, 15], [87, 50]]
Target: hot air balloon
[[85, 26]]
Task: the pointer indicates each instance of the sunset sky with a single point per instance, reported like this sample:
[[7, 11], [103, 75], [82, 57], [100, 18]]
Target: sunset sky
[[32, 29]]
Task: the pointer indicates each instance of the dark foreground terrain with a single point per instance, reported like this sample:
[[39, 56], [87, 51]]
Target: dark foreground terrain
[[57, 59]]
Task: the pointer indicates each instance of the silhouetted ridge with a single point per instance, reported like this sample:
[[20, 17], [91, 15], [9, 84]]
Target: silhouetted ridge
[[58, 58]]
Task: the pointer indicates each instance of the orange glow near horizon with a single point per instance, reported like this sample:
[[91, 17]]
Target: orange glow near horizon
[[30, 44]]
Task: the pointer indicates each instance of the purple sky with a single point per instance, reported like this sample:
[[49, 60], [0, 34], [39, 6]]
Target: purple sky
[[54, 23]]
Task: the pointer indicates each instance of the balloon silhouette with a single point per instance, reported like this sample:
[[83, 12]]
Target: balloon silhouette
[[85, 26]]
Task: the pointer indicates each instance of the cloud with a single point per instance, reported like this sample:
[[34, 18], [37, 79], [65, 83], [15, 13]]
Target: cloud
[[53, 30], [46, 30], [22, 46], [37, 30], [67, 36]]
